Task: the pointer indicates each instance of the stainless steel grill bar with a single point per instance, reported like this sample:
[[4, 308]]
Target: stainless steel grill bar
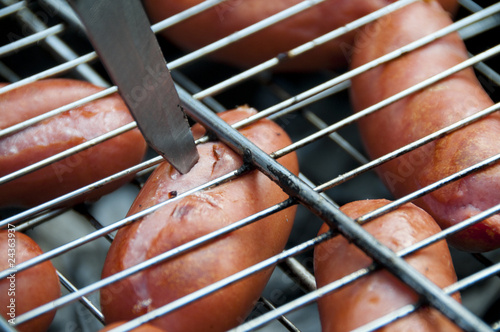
[[320, 292], [479, 27], [30, 122], [7, 73], [10, 9], [300, 49], [60, 69], [5, 326], [312, 92], [301, 6], [372, 64], [396, 153], [354, 232], [174, 305], [275, 114], [315, 120], [190, 12], [111, 228], [319, 134], [29, 19], [410, 308], [137, 268], [40, 219], [303, 300], [18, 218], [299, 274], [84, 300], [481, 258], [67, 153], [63, 10], [338, 180], [30, 40], [283, 320]]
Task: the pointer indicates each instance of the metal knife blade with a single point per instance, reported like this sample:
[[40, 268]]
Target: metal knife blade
[[122, 37]]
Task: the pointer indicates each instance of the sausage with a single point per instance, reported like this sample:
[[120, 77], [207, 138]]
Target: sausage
[[380, 293], [422, 113], [194, 216], [142, 328], [23, 291], [59, 133], [234, 15]]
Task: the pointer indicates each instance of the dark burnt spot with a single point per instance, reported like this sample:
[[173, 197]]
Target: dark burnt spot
[[172, 194]]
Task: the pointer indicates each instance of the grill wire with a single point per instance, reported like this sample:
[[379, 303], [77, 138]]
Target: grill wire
[[44, 39]]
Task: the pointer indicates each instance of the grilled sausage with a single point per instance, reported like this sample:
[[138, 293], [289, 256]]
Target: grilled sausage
[[192, 217], [380, 292], [59, 133], [422, 113], [23, 291], [234, 15], [142, 328]]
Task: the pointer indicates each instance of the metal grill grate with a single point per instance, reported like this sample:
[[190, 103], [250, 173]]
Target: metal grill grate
[[44, 39]]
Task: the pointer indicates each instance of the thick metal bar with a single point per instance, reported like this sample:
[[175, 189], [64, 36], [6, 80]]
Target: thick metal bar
[[314, 295], [296, 188], [174, 305], [150, 262], [299, 274], [408, 309]]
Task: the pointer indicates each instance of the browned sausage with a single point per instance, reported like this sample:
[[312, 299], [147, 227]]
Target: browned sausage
[[192, 217], [422, 113], [234, 15], [28, 289], [59, 133], [142, 328], [380, 293]]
